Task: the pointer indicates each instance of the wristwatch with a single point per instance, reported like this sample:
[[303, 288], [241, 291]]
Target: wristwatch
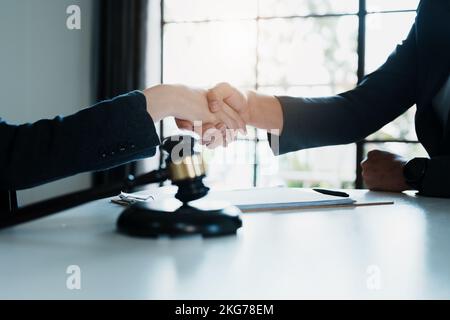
[[414, 171]]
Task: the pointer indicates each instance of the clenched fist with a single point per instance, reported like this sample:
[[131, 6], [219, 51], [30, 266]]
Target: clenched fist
[[383, 171]]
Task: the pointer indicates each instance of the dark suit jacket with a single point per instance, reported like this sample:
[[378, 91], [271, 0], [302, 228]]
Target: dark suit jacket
[[413, 74], [106, 135]]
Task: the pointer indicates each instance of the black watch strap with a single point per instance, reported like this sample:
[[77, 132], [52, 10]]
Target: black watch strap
[[414, 172]]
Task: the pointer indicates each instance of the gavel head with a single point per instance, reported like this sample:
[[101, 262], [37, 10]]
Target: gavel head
[[185, 166]]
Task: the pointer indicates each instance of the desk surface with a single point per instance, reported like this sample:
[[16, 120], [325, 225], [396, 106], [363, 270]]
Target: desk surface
[[396, 251]]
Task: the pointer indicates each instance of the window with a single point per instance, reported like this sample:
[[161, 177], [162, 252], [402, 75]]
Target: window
[[387, 23], [284, 47]]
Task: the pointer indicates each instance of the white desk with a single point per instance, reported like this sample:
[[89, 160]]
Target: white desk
[[307, 254]]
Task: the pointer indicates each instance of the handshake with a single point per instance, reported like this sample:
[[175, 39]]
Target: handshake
[[217, 115]]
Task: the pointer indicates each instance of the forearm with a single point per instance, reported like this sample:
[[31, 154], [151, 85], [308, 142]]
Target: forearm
[[304, 123], [265, 112], [316, 122], [350, 116], [108, 134], [178, 101], [155, 106]]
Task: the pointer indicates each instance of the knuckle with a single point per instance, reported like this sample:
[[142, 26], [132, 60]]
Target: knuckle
[[223, 85], [365, 164], [373, 153]]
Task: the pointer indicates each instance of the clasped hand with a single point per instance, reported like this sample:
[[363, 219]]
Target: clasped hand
[[217, 114], [208, 113]]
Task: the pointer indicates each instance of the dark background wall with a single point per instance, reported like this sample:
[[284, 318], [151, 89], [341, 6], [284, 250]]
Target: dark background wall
[[46, 69]]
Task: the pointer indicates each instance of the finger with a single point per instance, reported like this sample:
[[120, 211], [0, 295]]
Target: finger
[[213, 101], [223, 130], [215, 133], [206, 133], [230, 136], [209, 132], [228, 119], [219, 137], [236, 117], [224, 92], [221, 126], [231, 118], [184, 124], [216, 139]]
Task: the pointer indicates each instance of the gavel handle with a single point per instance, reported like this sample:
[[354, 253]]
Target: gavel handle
[[61, 203]]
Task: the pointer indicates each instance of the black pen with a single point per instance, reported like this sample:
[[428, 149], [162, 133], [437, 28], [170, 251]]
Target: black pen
[[332, 193]]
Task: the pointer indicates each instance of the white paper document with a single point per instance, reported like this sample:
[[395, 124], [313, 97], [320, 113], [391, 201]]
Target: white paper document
[[277, 198]]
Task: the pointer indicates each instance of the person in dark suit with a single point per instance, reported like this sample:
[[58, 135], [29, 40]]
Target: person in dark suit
[[417, 72], [103, 136]]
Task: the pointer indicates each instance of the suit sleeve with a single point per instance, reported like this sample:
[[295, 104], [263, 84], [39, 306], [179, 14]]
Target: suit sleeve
[[351, 116], [103, 136], [436, 182]]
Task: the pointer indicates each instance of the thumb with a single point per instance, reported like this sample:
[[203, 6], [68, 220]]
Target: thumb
[[225, 93], [220, 94]]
